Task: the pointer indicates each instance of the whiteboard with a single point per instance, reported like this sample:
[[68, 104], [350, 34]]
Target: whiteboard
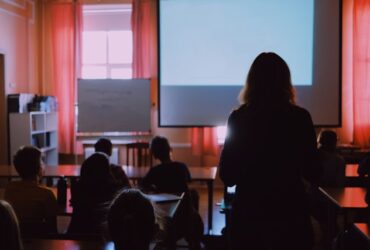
[[113, 105]]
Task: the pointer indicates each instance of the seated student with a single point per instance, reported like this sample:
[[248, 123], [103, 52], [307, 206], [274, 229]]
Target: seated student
[[34, 204], [10, 237], [332, 174], [173, 177], [105, 146], [93, 193], [364, 172], [131, 221], [333, 165]]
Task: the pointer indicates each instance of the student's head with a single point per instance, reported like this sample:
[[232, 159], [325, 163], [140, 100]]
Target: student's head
[[95, 168], [160, 148], [328, 140], [131, 220], [268, 81], [27, 162], [9, 228], [103, 145]]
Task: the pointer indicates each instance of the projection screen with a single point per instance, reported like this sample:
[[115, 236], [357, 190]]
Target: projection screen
[[207, 46]]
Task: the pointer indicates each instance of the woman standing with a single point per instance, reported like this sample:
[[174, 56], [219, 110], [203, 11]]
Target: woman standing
[[269, 151]]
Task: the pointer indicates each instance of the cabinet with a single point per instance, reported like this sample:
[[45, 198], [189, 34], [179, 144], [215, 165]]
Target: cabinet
[[39, 129]]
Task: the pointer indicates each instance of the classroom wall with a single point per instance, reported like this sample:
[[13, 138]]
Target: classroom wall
[[18, 45], [20, 26], [19, 42]]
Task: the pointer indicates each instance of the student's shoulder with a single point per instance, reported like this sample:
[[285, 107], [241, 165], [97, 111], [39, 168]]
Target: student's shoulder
[[13, 184], [46, 191], [179, 164], [156, 169]]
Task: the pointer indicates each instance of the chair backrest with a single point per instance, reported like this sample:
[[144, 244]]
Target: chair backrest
[[138, 154]]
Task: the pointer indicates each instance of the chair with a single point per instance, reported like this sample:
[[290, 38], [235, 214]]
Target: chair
[[138, 154]]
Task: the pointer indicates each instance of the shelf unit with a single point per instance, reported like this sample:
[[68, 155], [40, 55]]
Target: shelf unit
[[39, 129]]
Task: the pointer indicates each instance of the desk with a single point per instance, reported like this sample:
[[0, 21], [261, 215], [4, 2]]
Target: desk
[[364, 229], [352, 177], [352, 154], [116, 144], [198, 173], [47, 244], [344, 200], [357, 237], [68, 171], [351, 170]]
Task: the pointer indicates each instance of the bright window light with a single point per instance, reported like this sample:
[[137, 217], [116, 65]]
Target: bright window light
[[94, 72], [94, 47], [221, 134], [107, 50], [121, 73], [120, 46]]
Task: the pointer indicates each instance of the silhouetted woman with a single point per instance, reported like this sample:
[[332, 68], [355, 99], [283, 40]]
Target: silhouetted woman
[[269, 149]]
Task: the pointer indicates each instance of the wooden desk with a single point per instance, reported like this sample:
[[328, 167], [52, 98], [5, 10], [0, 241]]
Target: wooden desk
[[343, 200], [198, 173], [357, 237], [91, 143], [346, 198], [354, 154], [68, 171], [116, 144], [364, 229], [352, 177], [351, 170], [47, 244]]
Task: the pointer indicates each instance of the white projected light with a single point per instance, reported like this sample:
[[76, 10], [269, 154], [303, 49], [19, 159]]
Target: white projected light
[[206, 48], [218, 42]]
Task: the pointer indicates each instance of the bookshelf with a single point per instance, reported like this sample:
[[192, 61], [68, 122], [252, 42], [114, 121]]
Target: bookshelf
[[39, 129]]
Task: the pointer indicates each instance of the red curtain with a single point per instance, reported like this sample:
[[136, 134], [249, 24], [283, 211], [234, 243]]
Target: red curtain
[[204, 141], [361, 72], [142, 21], [64, 18]]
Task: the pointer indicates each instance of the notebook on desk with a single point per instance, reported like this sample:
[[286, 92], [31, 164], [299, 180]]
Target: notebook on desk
[[163, 197]]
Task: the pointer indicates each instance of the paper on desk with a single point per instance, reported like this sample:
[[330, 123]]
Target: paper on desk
[[163, 197]]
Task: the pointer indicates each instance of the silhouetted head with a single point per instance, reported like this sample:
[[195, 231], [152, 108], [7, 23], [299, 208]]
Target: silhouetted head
[[103, 145], [160, 148], [268, 81], [9, 228], [27, 162], [131, 220], [328, 140], [95, 168]]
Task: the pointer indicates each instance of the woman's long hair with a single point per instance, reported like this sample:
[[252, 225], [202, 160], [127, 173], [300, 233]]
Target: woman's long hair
[[10, 238], [268, 81]]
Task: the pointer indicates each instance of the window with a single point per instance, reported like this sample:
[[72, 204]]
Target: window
[[107, 41]]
